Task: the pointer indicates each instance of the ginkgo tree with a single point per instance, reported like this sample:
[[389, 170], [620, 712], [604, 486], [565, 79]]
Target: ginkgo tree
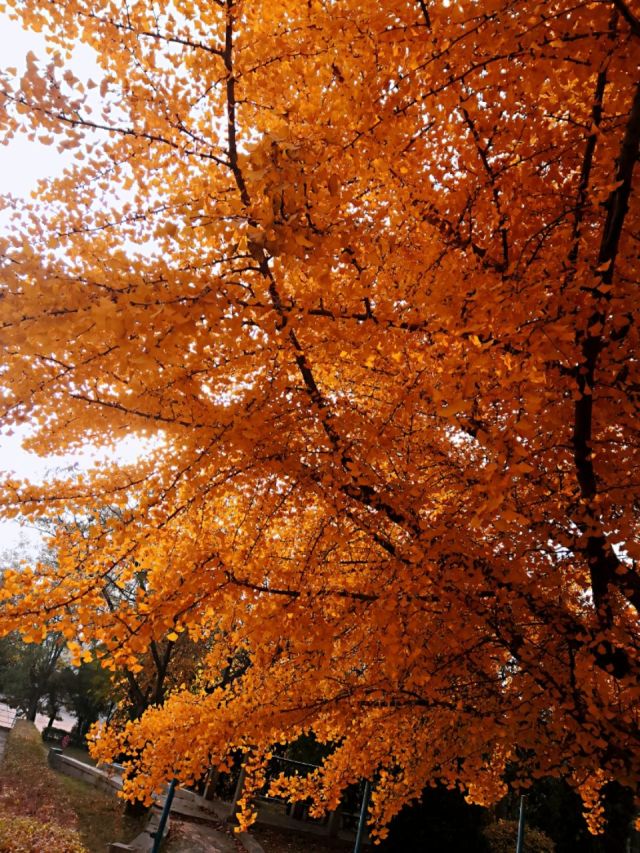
[[366, 274]]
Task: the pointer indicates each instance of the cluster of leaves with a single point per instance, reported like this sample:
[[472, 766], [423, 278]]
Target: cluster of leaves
[[365, 274], [37, 677]]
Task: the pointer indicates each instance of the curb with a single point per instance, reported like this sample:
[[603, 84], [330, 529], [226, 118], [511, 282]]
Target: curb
[[143, 843], [249, 843]]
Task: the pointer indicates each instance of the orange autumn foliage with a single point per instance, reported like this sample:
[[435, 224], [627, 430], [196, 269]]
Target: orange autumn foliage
[[366, 273]]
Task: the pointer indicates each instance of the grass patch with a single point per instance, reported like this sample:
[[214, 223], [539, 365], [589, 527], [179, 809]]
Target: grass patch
[[100, 817], [80, 754], [35, 799]]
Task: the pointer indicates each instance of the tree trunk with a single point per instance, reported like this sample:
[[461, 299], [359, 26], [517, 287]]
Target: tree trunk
[[210, 785], [620, 812], [32, 710], [135, 808]]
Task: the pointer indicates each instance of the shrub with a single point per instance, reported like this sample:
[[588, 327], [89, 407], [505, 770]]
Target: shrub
[[501, 837], [51, 734]]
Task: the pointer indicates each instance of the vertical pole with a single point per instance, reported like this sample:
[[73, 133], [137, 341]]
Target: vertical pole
[[157, 835], [520, 840], [363, 812]]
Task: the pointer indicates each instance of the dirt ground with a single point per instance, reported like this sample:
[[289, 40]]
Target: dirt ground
[[278, 841], [190, 837]]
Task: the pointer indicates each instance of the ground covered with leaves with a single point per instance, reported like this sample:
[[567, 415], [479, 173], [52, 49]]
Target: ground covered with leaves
[[43, 810], [277, 841]]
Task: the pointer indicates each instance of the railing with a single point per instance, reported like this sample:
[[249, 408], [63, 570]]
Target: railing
[[227, 788], [350, 804], [7, 717]]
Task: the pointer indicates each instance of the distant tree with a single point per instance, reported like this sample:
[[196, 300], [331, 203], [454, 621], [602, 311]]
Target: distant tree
[[87, 692], [30, 673], [54, 698]]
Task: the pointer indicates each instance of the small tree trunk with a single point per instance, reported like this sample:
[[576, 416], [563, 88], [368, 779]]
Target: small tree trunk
[[237, 794], [32, 710], [620, 812], [334, 821], [135, 808], [211, 783]]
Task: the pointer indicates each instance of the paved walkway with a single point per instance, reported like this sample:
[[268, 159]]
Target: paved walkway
[[187, 837]]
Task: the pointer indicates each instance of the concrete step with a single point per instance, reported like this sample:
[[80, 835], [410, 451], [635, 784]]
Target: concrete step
[[186, 807]]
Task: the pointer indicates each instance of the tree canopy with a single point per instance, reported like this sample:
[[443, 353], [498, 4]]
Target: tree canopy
[[366, 275]]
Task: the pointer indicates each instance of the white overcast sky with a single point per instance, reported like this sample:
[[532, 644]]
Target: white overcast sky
[[22, 165]]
